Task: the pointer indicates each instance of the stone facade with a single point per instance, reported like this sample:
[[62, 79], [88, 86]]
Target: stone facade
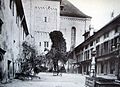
[[44, 16], [13, 31]]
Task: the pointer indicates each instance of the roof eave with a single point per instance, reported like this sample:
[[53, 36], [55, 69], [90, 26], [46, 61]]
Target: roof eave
[[75, 16]]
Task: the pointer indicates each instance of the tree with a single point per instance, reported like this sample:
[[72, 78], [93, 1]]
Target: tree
[[58, 49], [29, 57]]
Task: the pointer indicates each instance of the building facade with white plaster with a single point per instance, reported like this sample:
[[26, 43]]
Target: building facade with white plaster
[[13, 30], [44, 16]]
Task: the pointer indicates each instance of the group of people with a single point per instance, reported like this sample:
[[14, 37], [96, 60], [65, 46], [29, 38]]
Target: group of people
[[58, 68]]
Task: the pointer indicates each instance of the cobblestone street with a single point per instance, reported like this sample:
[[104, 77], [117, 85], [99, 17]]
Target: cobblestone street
[[48, 80]]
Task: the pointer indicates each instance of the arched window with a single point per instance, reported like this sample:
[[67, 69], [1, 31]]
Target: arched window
[[73, 36]]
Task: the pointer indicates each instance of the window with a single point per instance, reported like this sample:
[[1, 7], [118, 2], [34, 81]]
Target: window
[[0, 4], [12, 6], [116, 41], [106, 48], [10, 3], [86, 46], [39, 43], [17, 20], [117, 30], [102, 67], [23, 34], [112, 67], [86, 55], [98, 50], [61, 7], [112, 44], [46, 44], [1, 22], [45, 19], [73, 36], [91, 44], [98, 40], [106, 35]]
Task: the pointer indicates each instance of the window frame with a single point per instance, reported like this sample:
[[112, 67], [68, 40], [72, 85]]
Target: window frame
[[46, 44], [73, 36], [1, 23], [106, 35]]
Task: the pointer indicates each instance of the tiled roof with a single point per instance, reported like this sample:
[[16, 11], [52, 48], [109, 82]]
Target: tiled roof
[[71, 11], [108, 27]]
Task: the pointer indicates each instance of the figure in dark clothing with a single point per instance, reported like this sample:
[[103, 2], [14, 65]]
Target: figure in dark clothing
[[56, 67], [36, 70]]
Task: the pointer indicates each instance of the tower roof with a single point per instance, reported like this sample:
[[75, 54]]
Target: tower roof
[[71, 11]]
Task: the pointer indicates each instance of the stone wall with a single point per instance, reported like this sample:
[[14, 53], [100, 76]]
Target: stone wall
[[11, 38]]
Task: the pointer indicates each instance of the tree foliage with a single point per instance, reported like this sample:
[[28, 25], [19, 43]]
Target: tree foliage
[[58, 49], [30, 58]]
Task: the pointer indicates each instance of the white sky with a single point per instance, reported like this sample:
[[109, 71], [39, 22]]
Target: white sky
[[99, 10]]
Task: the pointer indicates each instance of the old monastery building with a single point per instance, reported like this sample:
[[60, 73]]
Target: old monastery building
[[44, 16]]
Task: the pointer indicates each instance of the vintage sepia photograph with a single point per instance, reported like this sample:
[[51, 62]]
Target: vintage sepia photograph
[[59, 43]]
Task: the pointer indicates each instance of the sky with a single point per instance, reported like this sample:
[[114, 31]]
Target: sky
[[99, 10]]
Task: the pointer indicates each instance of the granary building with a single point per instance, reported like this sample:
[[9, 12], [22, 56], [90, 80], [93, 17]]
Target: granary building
[[106, 43]]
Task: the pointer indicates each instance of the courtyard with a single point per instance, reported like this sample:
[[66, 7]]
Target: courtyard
[[48, 80]]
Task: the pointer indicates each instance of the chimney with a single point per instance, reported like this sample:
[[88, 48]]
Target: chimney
[[91, 29]]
